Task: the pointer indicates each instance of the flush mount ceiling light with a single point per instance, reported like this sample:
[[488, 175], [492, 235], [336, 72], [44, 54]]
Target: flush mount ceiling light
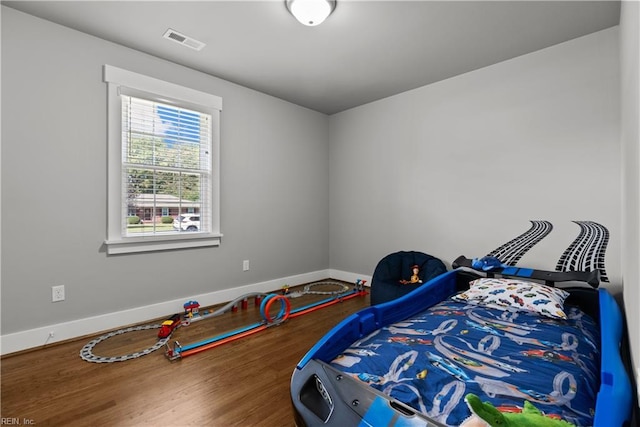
[[311, 12]]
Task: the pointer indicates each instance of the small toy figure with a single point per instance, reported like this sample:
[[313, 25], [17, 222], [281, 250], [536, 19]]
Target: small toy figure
[[191, 308], [414, 277], [487, 263]]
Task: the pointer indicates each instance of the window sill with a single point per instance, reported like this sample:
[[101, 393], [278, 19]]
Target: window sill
[[165, 243]]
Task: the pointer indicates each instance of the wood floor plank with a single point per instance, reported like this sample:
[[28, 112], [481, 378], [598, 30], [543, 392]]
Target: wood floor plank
[[242, 383]]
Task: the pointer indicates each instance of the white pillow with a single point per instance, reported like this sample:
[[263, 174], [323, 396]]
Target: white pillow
[[516, 295]]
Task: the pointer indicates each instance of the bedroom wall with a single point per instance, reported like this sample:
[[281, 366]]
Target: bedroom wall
[[457, 167], [630, 125], [462, 166], [274, 191]]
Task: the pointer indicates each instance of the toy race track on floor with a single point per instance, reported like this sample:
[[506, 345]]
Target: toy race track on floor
[[274, 309]]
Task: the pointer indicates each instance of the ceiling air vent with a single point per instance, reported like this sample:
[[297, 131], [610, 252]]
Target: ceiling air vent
[[183, 40]]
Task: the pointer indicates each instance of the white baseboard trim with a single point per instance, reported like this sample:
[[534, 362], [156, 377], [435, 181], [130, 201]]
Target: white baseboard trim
[[39, 337], [349, 277]]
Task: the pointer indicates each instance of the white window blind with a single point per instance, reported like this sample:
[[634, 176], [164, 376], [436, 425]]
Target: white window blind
[[166, 158]]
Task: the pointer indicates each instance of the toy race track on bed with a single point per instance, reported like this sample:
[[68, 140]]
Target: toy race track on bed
[[445, 349]]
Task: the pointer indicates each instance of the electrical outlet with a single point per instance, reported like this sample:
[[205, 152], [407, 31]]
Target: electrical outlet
[[245, 265], [57, 293]]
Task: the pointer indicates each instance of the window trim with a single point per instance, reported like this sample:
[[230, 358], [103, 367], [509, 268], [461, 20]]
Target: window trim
[[120, 81]]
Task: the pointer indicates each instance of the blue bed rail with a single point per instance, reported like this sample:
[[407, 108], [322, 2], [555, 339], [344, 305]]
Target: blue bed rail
[[614, 401]]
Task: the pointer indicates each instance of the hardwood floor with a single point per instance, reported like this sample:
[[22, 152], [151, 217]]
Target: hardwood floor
[[242, 383]]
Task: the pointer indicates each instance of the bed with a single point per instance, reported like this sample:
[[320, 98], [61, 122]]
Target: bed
[[411, 361]]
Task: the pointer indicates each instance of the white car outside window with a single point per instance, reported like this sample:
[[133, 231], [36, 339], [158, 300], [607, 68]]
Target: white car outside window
[[187, 222]]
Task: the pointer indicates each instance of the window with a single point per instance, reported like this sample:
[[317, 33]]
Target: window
[[163, 161]]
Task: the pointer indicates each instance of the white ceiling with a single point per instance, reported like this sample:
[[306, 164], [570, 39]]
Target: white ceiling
[[366, 50]]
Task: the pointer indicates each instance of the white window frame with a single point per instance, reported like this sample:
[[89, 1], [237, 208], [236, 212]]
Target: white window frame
[[120, 81]]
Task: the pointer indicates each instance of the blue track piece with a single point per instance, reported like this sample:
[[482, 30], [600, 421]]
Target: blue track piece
[[220, 337]]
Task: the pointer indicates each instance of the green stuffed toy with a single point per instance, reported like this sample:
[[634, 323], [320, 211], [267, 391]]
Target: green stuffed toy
[[485, 414]]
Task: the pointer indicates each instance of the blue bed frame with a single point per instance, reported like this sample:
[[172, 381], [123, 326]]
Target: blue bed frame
[[323, 396]]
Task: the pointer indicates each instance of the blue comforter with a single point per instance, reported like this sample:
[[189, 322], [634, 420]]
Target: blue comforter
[[431, 361]]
